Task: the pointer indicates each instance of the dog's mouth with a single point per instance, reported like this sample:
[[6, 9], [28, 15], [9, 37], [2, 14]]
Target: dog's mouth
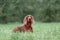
[[29, 21]]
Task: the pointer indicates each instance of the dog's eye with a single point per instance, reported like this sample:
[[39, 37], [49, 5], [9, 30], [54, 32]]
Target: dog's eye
[[31, 17], [26, 17]]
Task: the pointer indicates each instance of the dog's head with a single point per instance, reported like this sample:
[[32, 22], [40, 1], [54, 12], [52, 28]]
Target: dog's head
[[28, 19]]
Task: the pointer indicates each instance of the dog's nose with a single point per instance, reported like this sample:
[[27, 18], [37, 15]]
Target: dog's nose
[[29, 19]]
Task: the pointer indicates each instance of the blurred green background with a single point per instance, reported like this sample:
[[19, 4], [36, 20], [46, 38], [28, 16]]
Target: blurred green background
[[42, 10], [46, 14]]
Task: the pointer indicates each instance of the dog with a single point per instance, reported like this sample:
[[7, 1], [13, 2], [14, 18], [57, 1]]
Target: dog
[[27, 24]]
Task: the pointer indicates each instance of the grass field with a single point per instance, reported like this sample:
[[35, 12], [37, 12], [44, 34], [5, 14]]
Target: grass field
[[42, 31]]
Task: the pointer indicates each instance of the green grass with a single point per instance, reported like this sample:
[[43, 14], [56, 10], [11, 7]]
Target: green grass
[[42, 31]]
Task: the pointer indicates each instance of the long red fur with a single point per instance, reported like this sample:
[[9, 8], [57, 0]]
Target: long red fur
[[27, 25]]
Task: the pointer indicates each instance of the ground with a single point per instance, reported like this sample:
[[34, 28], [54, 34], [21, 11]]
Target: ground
[[42, 31]]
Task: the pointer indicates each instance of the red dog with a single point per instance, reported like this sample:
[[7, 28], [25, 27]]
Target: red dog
[[28, 20]]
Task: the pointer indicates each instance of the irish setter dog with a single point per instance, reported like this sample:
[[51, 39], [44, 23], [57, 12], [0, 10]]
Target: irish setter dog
[[27, 24]]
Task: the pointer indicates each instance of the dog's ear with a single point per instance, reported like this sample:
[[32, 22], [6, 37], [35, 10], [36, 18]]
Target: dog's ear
[[25, 20]]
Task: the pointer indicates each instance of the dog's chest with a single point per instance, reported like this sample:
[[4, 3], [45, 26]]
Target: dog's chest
[[27, 26]]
